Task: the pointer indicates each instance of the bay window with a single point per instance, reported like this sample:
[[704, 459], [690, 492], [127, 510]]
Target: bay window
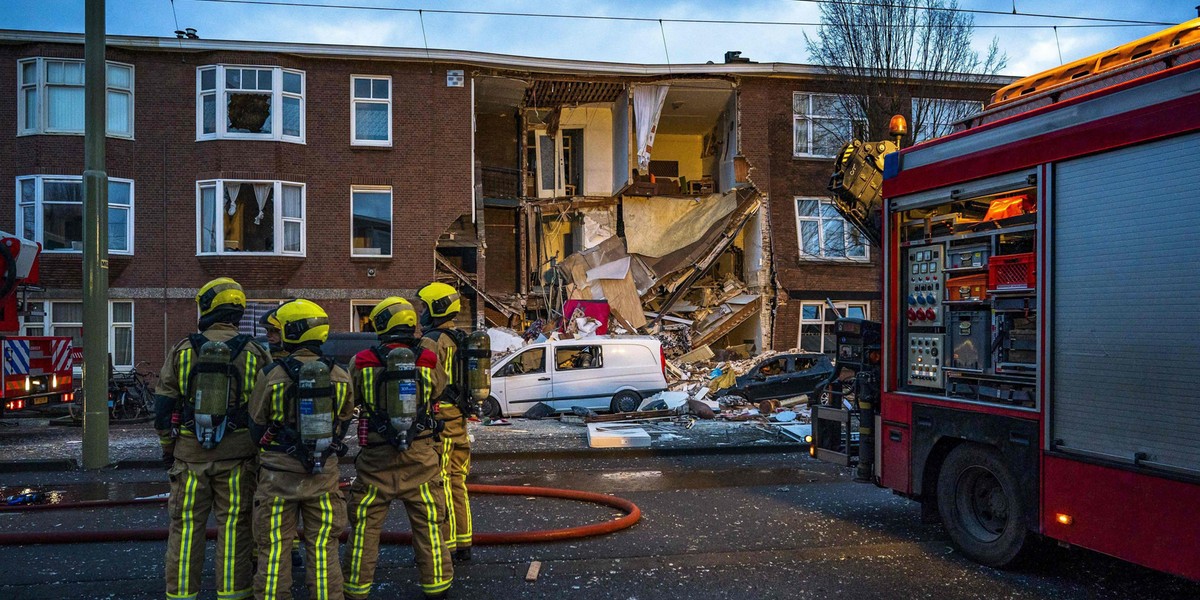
[[251, 217], [65, 318], [50, 211], [50, 97], [243, 102]]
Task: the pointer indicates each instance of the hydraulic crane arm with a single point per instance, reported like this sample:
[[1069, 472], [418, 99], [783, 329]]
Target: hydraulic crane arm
[[857, 186]]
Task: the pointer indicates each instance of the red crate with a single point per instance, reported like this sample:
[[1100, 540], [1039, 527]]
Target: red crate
[[1012, 272]]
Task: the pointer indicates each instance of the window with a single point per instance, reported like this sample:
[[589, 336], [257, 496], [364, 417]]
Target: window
[[823, 233], [371, 112], [530, 361], [258, 103], [816, 324], [50, 211], [360, 315], [50, 97], [65, 318], [935, 117], [578, 357], [773, 367], [371, 221], [261, 217], [819, 124]]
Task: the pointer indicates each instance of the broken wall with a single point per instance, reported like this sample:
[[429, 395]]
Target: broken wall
[[596, 122]]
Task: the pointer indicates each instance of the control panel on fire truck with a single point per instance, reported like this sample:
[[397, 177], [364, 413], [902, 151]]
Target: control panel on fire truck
[[967, 298]]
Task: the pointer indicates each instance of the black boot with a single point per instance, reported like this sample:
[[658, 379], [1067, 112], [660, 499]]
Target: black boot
[[462, 555]]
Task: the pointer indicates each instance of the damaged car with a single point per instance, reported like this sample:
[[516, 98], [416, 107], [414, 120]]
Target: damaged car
[[782, 376]]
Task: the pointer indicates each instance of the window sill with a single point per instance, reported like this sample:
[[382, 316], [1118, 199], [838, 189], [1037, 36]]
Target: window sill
[[370, 257], [203, 255], [807, 260], [811, 157], [72, 134], [366, 146], [228, 138]]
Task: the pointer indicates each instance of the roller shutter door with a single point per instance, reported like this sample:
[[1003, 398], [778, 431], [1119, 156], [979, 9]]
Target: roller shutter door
[[1126, 304]]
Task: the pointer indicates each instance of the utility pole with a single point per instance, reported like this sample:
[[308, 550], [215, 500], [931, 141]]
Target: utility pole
[[95, 242]]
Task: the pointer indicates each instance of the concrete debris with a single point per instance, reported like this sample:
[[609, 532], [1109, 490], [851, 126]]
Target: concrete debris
[[535, 567]]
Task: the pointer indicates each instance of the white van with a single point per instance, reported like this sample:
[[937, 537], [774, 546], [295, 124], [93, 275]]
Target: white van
[[601, 373]]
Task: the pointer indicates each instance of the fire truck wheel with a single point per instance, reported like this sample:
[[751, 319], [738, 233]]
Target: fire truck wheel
[[491, 408], [979, 500], [626, 401]]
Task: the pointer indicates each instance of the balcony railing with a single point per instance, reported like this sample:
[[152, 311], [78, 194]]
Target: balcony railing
[[501, 182]]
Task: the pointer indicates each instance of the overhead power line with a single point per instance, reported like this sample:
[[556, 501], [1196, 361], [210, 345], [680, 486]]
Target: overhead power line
[[1002, 13], [638, 19]]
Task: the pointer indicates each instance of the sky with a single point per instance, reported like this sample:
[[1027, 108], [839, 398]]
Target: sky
[[1029, 49]]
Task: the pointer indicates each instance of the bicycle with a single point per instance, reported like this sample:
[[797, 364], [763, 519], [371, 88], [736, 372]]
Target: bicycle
[[130, 395]]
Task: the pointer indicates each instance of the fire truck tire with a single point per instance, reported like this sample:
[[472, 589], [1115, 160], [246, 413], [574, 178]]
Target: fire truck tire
[[980, 504]]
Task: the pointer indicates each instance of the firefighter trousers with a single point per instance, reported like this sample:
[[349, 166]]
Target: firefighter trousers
[[283, 498], [368, 508], [224, 489], [456, 465]]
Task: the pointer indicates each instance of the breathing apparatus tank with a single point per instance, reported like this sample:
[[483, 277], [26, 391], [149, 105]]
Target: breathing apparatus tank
[[400, 392], [479, 366], [210, 393], [315, 411]]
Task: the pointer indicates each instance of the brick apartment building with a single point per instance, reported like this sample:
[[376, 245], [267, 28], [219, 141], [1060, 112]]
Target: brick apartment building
[[346, 174]]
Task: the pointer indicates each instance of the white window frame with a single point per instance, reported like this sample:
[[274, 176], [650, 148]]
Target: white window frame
[[47, 324], [39, 210], [810, 122], [931, 131], [843, 308], [219, 225], [354, 252], [355, 101], [355, 326], [220, 93], [849, 230], [40, 83]]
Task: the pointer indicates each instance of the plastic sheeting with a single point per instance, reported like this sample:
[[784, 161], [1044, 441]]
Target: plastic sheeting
[[665, 225]]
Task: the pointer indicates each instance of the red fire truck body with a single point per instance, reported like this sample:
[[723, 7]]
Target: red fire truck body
[[1041, 335], [36, 370]]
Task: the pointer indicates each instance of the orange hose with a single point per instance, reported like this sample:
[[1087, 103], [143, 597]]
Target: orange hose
[[632, 515]]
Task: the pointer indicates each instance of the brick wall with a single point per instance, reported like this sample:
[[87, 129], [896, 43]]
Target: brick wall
[[428, 167]]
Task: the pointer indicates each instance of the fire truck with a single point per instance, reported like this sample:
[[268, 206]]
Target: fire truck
[[37, 370], [1037, 368]]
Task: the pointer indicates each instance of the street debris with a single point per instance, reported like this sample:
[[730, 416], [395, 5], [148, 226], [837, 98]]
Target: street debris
[[535, 567]]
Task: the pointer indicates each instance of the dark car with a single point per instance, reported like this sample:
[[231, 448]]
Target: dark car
[[783, 376], [341, 346]]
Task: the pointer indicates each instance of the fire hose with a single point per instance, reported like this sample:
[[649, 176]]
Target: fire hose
[[632, 515]]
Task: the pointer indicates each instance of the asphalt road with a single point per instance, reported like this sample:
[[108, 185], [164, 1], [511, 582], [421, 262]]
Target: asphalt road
[[714, 526]]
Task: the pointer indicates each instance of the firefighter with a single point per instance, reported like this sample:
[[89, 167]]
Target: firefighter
[[202, 422], [270, 324], [303, 405], [275, 346], [440, 303], [393, 383]]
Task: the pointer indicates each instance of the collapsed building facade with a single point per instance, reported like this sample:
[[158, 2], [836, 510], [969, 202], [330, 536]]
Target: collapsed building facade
[[689, 198]]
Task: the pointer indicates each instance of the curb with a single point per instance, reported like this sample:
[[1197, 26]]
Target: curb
[[67, 464]]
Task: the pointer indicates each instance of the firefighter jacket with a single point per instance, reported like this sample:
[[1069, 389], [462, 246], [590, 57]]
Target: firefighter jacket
[[366, 370], [175, 380], [445, 375], [273, 407]]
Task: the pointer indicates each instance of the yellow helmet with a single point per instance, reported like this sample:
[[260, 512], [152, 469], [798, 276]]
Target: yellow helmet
[[302, 321], [391, 313], [221, 292], [440, 300], [270, 320]]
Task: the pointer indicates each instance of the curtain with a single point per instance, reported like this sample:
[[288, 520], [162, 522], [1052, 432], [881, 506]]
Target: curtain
[[231, 196], [647, 106], [66, 108], [261, 191]]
